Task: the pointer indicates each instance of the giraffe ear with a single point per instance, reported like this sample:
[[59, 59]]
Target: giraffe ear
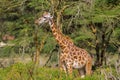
[[48, 14]]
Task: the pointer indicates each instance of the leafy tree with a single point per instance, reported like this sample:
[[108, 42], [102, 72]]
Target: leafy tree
[[92, 24]]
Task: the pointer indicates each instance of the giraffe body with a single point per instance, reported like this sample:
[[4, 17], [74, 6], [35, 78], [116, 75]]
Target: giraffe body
[[75, 57], [71, 56]]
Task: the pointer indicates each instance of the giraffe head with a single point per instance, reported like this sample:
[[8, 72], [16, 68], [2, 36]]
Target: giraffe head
[[46, 17]]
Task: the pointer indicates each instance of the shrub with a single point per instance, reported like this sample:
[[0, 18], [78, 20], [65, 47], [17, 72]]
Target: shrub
[[30, 71]]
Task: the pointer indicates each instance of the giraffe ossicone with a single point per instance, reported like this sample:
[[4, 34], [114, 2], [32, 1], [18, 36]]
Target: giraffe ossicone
[[71, 55]]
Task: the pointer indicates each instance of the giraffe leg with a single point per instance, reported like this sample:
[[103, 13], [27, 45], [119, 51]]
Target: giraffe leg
[[88, 67], [82, 72], [63, 68], [69, 70], [62, 64]]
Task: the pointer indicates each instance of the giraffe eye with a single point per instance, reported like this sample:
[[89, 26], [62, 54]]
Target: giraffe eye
[[44, 17]]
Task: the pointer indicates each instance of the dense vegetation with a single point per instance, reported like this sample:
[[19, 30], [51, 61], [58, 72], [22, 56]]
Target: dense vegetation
[[28, 71], [92, 24]]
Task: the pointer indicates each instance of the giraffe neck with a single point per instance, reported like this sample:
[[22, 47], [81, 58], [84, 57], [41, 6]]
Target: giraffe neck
[[62, 40]]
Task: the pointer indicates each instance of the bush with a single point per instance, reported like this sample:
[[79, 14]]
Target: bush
[[30, 71]]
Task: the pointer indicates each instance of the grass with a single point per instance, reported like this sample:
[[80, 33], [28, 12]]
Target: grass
[[29, 71]]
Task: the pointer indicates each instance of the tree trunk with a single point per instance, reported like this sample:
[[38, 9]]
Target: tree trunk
[[36, 60], [97, 55], [23, 52], [38, 46], [101, 45]]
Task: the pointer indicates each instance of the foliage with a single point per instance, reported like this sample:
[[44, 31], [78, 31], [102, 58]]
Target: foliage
[[72, 16], [17, 18]]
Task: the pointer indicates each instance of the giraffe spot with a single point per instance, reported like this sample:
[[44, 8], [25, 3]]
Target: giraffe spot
[[62, 60], [65, 55], [79, 57], [76, 49], [72, 49], [83, 58], [53, 31], [69, 47], [70, 67], [78, 53], [60, 42], [82, 62], [68, 57], [75, 57], [85, 55], [72, 63], [58, 37], [66, 60], [66, 51], [72, 53], [79, 64], [62, 47], [72, 58], [57, 40]]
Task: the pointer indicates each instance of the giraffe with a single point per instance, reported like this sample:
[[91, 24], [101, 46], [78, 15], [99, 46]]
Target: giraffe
[[71, 56]]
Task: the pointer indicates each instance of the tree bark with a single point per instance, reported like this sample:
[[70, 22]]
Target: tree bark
[[102, 40], [36, 60]]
